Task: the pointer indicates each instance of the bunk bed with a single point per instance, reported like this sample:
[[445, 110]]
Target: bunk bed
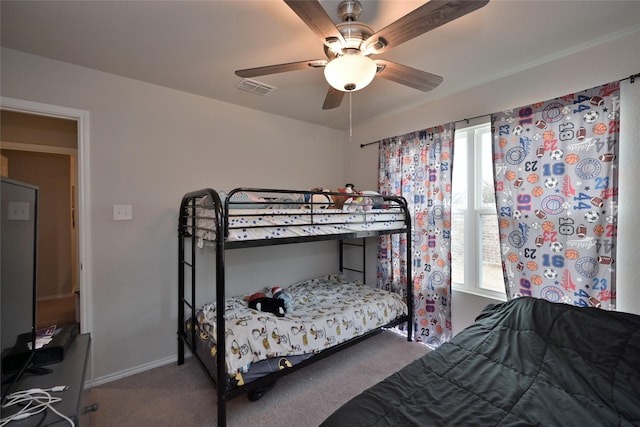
[[339, 311], [527, 361]]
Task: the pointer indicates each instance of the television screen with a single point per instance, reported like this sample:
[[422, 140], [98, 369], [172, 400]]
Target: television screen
[[18, 215]]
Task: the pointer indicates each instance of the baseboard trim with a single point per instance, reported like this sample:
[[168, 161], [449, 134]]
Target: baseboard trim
[[54, 297], [131, 371]]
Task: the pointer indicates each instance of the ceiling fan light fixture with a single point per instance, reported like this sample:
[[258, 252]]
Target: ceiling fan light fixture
[[349, 73]]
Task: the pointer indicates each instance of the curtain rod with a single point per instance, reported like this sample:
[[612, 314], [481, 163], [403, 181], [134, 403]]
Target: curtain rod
[[456, 121], [631, 78]]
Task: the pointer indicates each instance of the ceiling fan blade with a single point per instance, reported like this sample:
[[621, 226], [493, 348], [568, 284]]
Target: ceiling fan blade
[[427, 17], [281, 68], [333, 99], [407, 76], [317, 19]]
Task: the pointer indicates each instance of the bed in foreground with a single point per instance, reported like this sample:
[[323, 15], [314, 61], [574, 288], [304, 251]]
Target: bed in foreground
[[524, 362]]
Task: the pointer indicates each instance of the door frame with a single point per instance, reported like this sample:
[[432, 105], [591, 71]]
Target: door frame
[[84, 235]]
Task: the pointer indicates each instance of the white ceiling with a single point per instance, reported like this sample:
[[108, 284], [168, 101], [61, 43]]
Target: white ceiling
[[195, 46]]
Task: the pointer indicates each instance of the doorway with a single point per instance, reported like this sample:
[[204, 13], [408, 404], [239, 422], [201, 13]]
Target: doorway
[[52, 173], [45, 145]]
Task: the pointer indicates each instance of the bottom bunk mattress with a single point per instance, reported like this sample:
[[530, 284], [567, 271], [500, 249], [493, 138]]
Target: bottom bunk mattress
[[523, 362], [323, 312]]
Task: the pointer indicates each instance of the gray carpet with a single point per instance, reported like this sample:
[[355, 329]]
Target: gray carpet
[[185, 396]]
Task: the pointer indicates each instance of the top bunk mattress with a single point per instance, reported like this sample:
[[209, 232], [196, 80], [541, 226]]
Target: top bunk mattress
[[257, 224], [246, 216]]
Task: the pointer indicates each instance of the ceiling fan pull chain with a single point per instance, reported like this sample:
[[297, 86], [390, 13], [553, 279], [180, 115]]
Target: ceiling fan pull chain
[[350, 121]]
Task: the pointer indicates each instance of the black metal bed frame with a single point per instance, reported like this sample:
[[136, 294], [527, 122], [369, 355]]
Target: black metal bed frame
[[187, 230]]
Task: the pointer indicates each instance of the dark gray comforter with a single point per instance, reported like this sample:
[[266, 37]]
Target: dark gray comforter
[[523, 362]]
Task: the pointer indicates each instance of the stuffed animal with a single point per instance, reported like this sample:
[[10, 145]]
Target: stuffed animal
[[339, 201], [377, 201], [319, 201], [280, 293], [256, 295], [269, 305], [358, 204], [350, 196]]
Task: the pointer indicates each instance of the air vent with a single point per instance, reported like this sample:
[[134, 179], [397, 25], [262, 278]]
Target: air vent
[[256, 87]]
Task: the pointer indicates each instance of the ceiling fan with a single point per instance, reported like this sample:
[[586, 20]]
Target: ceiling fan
[[350, 44]]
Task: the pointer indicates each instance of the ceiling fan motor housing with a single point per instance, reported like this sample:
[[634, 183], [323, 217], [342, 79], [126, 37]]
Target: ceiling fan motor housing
[[353, 32], [349, 10]]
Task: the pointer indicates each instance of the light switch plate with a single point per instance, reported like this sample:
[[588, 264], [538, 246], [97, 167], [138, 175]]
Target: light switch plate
[[122, 212]]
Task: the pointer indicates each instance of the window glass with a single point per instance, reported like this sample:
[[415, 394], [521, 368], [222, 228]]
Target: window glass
[[476, 264]]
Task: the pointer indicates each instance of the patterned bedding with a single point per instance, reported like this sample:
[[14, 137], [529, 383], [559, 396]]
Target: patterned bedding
[[256, 224], [325, 311]]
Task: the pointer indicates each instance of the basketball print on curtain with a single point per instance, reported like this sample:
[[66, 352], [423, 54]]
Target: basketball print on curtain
[[555, 166]]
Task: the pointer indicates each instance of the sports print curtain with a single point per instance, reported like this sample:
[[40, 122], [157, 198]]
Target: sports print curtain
[[417, 166], [555, 165]]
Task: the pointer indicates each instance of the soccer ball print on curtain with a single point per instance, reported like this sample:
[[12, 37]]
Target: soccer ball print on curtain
[[417, 166], [556, 192]]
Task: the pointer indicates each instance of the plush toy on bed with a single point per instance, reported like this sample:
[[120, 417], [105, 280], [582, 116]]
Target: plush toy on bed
[[352, 199], [347, 194], [269, 305], [256, 295], [318, 200], [280, 293]]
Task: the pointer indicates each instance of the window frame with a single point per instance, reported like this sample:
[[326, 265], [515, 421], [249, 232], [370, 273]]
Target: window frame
[[473, 213]]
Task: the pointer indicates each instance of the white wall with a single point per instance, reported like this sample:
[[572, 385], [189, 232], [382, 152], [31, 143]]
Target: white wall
[[629, 198], [148, 146], [593, 66]]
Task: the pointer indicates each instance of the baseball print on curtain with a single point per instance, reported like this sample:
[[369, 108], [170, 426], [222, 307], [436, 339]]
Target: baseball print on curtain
[[555, 165], [417, 166]]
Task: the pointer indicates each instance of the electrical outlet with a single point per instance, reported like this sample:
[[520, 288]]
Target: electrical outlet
[[18, 211], [122, 212]]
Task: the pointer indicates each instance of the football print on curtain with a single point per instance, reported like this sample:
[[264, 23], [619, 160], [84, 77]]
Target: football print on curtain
[[555, 165], [417, 166]]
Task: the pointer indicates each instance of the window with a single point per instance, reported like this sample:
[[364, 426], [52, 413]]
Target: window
[[476, 263]]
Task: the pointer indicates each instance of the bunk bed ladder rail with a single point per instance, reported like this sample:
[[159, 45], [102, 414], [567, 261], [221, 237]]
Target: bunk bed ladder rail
[[188, 212], [222, 380], [184, 232]]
